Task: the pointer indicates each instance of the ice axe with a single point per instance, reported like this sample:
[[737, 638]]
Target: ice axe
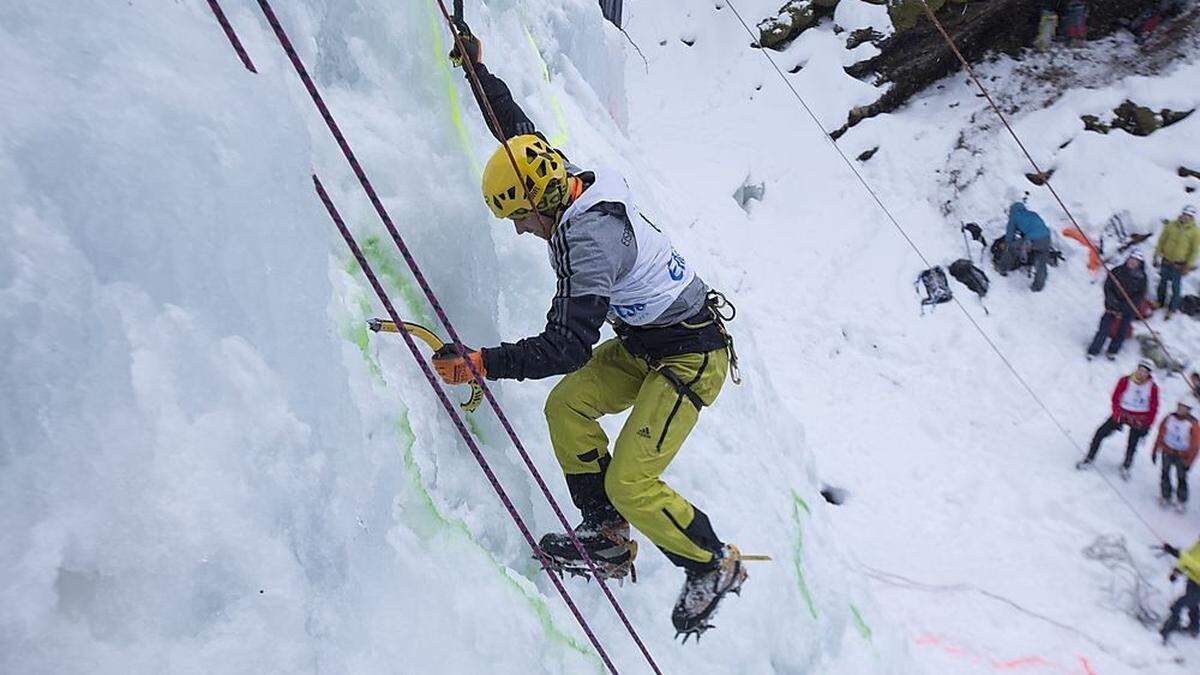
[[977, 234], [435, 343]]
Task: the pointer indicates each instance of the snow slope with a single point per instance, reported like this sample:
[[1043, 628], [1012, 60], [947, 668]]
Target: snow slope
[[207, 464], [956, 477]]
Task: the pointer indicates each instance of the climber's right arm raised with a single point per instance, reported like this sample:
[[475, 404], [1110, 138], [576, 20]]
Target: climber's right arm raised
[[513, 121]]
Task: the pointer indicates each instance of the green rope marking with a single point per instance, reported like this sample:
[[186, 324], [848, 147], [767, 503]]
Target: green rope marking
[[435, 522], [863, 629], [474, 428], [800, 501], [378, 255], [447, 73], [560, 138], [798, 505], [357, 333]]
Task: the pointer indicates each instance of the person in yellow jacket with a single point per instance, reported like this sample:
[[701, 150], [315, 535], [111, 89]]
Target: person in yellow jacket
[[1189, 565], [1175, 255]]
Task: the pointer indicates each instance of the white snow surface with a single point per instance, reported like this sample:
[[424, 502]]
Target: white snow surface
[[207, 465]]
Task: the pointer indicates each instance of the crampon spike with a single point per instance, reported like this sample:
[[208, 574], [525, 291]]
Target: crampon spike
[[694, 632]]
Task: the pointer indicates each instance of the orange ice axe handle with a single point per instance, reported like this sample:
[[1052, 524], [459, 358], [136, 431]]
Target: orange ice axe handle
[[435, 343]]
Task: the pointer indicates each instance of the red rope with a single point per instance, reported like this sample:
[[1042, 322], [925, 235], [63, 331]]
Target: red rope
[[233, 38], [440, 391], [393, 231]]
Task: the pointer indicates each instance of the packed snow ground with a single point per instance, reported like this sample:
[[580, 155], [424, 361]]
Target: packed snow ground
[[956, 478], [207, 464]]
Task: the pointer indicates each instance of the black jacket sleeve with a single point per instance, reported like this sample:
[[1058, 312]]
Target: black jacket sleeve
[[572, 327], [513, 121], [1133, 283]]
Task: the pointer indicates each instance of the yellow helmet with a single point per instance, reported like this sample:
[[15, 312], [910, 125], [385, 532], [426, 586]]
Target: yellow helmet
[[543, 171]]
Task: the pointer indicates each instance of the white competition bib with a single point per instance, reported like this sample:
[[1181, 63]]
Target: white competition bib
[[1137, 396], [1177, 433], [658, 276]]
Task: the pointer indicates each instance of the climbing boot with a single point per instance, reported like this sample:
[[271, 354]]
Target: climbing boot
[[703, 590], [607, 544]]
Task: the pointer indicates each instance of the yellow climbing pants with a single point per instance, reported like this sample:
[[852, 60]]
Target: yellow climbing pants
[[661, 419]]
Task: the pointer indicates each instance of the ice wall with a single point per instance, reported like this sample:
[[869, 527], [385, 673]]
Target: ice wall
[[205, 462]]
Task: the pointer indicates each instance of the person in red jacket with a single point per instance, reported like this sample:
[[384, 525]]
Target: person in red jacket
[[1134, 402], [1179, 441]]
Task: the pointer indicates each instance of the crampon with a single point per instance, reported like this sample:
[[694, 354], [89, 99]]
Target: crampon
[[608, 545], [606, 570], [703, 590]]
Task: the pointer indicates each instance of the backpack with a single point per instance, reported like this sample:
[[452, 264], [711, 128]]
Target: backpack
[[1190, 305], [937, 288], [971, 276], [999, 246]]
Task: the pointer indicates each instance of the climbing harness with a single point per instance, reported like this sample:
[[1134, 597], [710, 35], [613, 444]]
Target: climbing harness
[[716, 303], [685, 338], [435, 343]]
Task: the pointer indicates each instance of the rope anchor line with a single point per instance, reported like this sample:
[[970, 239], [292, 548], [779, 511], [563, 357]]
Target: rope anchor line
[[455, 342], [995, 348], [408, 334]]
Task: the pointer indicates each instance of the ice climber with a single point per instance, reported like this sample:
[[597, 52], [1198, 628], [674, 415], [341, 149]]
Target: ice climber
[[1189, 565], [1175, 256], [1032, 232], [1134, 402], [1179, 441], [1131, 278], [669, 360]]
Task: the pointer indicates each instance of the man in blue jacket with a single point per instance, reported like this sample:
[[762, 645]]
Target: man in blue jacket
[[1033, 232]]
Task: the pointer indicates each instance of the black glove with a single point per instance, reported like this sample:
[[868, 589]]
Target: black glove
[[470, 43], [1174, 575]]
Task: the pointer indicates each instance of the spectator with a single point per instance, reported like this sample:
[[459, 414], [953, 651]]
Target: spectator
[[1127, 280], [1134, 402], [1179, 441], [1026, 228], [1175, 256], [1075, 22], [1154, 15], [1189, 565], [1047, 25]]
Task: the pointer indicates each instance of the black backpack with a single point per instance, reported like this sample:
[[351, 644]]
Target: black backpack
[[1190, 305], [970, 276], [937, 288], [999, 246]]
